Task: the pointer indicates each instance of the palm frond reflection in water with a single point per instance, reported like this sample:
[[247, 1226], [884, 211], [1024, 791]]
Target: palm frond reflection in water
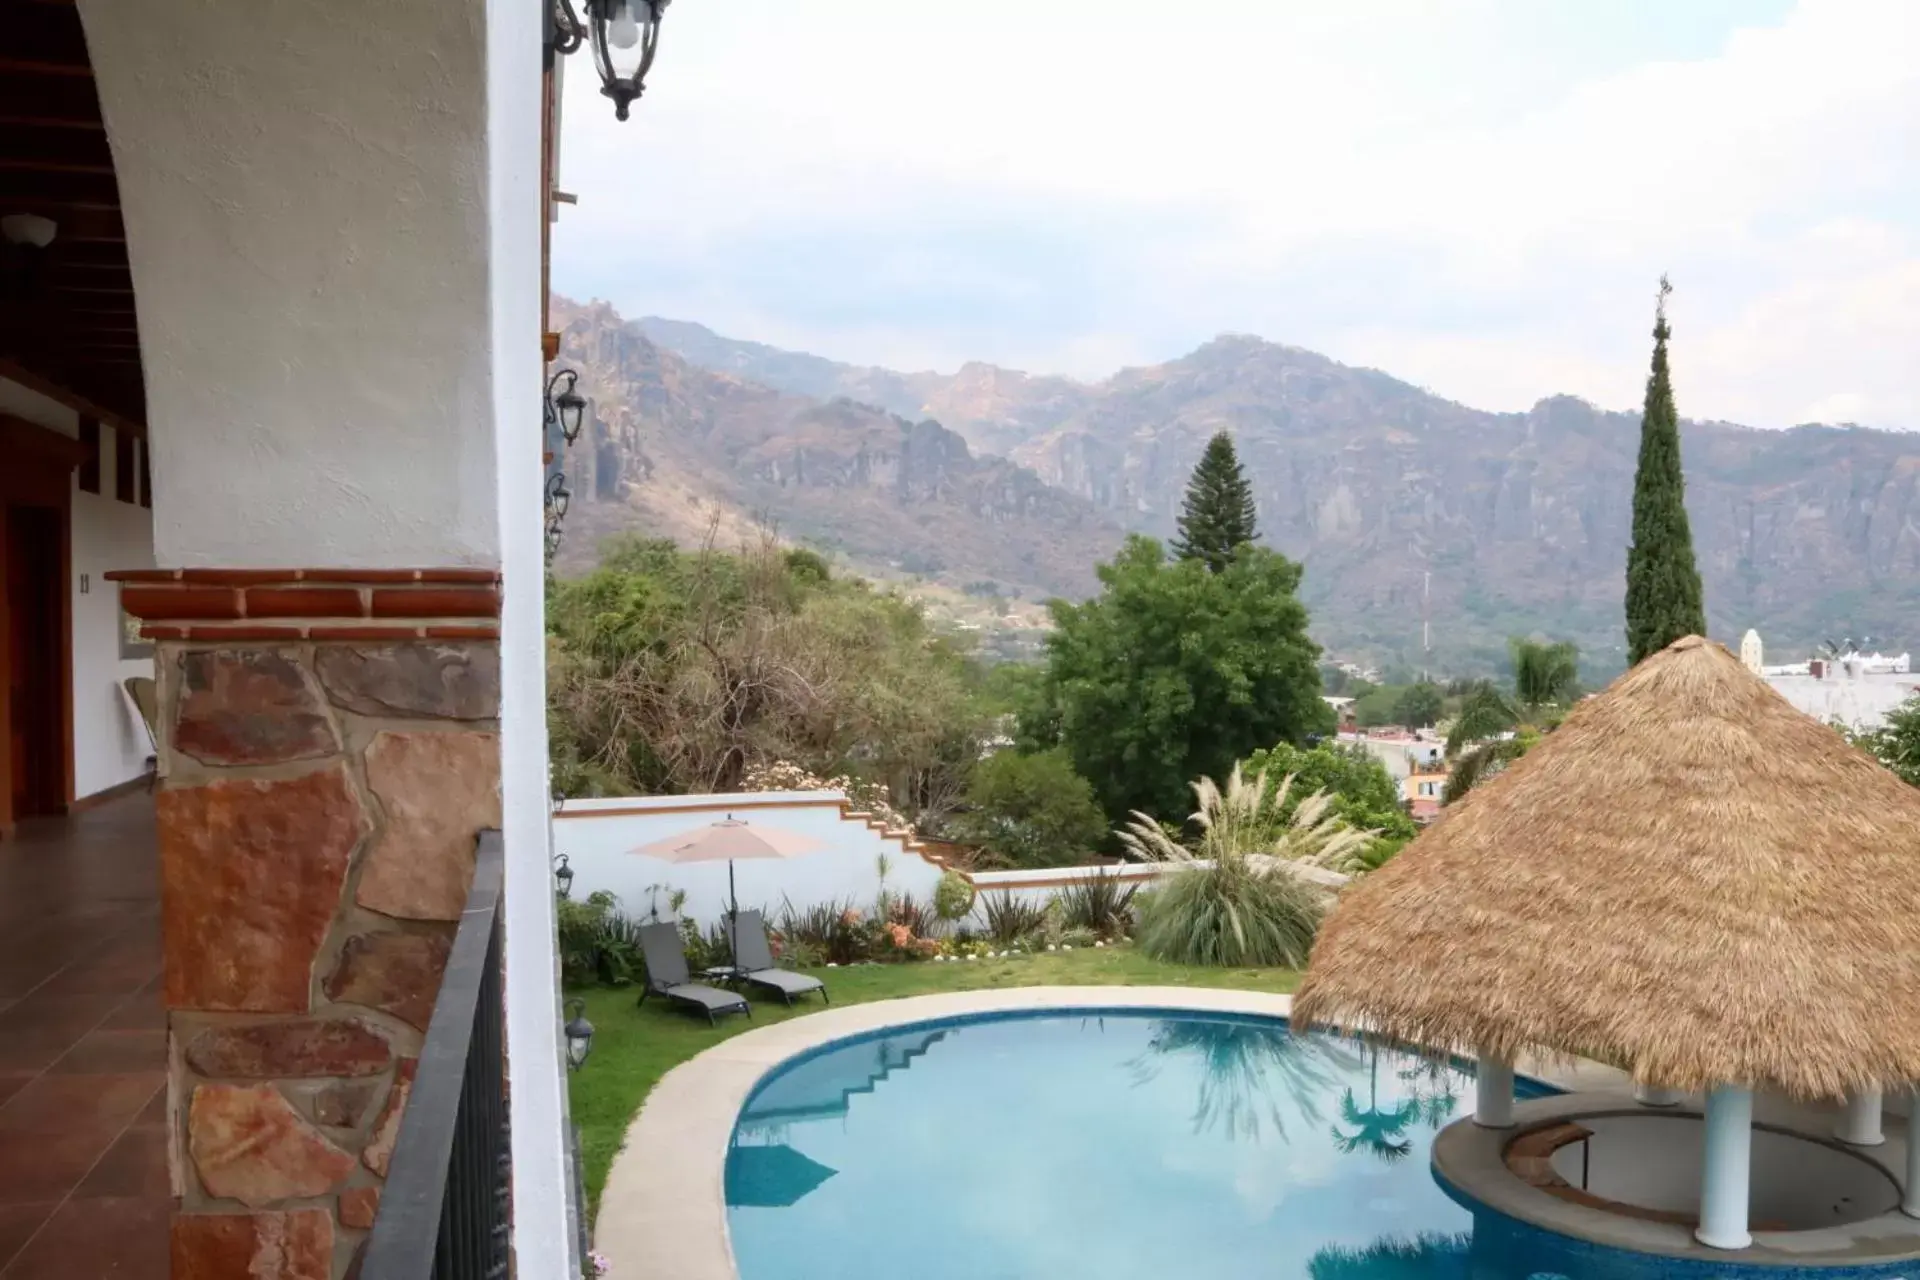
[[1435, 1085], [1249, 1069], [1428, 1256], [1374, 1128]]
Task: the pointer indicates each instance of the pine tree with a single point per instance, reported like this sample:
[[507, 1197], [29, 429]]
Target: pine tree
[[1218, 514], [1663, 584]]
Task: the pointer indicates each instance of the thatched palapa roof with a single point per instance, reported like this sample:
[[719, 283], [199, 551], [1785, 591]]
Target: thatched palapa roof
[[1688, 879]]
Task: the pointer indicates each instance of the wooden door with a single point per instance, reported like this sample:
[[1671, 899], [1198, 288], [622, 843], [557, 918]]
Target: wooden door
[[33, 660]]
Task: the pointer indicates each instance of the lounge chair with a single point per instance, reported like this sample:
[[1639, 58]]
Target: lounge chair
[[667, 975], [753, 961]]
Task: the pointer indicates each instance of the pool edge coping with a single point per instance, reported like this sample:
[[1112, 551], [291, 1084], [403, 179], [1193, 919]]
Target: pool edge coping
[[663, 1210]]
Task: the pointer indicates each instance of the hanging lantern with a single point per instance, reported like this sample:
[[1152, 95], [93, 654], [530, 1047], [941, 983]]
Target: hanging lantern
[[579, 1034], [566, 407], [625, 34]]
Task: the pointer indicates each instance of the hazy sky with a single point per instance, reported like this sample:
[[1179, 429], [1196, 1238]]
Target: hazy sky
[[1478, 196]]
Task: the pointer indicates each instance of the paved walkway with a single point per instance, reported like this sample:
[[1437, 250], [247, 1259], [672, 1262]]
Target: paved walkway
[[83, 1171]]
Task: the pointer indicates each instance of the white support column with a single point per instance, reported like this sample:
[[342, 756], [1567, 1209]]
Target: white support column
[[1493, 1094], [543, 1242], [1724, 1187], [1910, 1197], [1648, 1095], [1859, 1122]]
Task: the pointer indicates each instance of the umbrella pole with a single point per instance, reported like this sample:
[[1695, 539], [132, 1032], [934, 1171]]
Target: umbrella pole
[[733, 920]]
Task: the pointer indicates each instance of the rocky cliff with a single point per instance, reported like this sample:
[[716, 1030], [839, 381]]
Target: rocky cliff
[[680, 451], [1507, 523]]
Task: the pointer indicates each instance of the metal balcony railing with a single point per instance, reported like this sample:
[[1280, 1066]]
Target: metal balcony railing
[[444, 1214]]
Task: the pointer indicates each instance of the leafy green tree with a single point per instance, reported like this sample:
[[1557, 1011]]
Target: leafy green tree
[[1365, 796], [1217, 516], [673, 671], [1420, 705], [1664, 600], [1378, 705], [1546, 680], [1896, 744], [1030, 810], [1174, 672], [1545, 674]]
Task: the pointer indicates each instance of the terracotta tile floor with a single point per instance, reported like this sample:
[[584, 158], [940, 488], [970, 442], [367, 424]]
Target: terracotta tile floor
[[83, 1169]]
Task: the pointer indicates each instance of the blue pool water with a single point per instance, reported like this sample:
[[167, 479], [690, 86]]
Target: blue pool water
[[1136, 1145], [1109, 1145]]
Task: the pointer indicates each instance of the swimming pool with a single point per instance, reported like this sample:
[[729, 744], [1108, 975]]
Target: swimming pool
[[1110, 1144]]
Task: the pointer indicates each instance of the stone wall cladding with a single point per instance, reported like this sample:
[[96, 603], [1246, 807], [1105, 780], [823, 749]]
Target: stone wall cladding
[[317, 820]]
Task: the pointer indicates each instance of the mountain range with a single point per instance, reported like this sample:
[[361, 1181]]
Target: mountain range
[[1403, 506]]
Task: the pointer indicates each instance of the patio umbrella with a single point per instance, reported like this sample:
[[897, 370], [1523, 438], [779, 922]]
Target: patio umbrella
[[772, 1177], [727, 841]]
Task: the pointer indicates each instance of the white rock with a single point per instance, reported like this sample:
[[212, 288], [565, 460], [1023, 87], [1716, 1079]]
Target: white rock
[[832, 965], [1066, 946], [1051, 947], [973, 957], [1099, 944]]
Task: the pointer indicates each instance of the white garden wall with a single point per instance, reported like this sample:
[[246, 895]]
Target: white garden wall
[[1040, 885], [597, 834]]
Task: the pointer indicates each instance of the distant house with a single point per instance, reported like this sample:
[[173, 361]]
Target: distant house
[[1853, 689], [1402, 751], [1424, 789]]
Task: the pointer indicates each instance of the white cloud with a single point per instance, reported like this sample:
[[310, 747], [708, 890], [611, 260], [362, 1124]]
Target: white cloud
[[1457, 194]]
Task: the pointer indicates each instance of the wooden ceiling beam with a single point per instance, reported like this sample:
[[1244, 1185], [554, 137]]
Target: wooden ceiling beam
[[113, 416], [77, 226], [51, 150], [59, 274], [43, 38], [44, 101], [81, 254], [60, 190]]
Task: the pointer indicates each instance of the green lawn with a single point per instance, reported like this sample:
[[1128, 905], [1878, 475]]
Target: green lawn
[[633, 1048]]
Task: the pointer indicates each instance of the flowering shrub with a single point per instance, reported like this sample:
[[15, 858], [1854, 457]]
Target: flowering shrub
[[868, 797], [597, 1264], [905, 946]]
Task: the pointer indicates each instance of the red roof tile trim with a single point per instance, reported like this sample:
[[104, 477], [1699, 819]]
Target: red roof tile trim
[[371, 603]]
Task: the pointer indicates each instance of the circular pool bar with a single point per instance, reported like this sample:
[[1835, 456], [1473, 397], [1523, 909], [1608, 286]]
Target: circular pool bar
[[1012, 1133]]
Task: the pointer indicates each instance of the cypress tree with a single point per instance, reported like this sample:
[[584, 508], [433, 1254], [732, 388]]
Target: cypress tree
[[1217, 515], [1663, 585]]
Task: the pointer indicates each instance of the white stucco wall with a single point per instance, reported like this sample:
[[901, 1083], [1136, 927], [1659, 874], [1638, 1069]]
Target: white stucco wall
[[545, 1239], [305, 188], [1860, 702], [596, 835], [333, 220], [109, 746]]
